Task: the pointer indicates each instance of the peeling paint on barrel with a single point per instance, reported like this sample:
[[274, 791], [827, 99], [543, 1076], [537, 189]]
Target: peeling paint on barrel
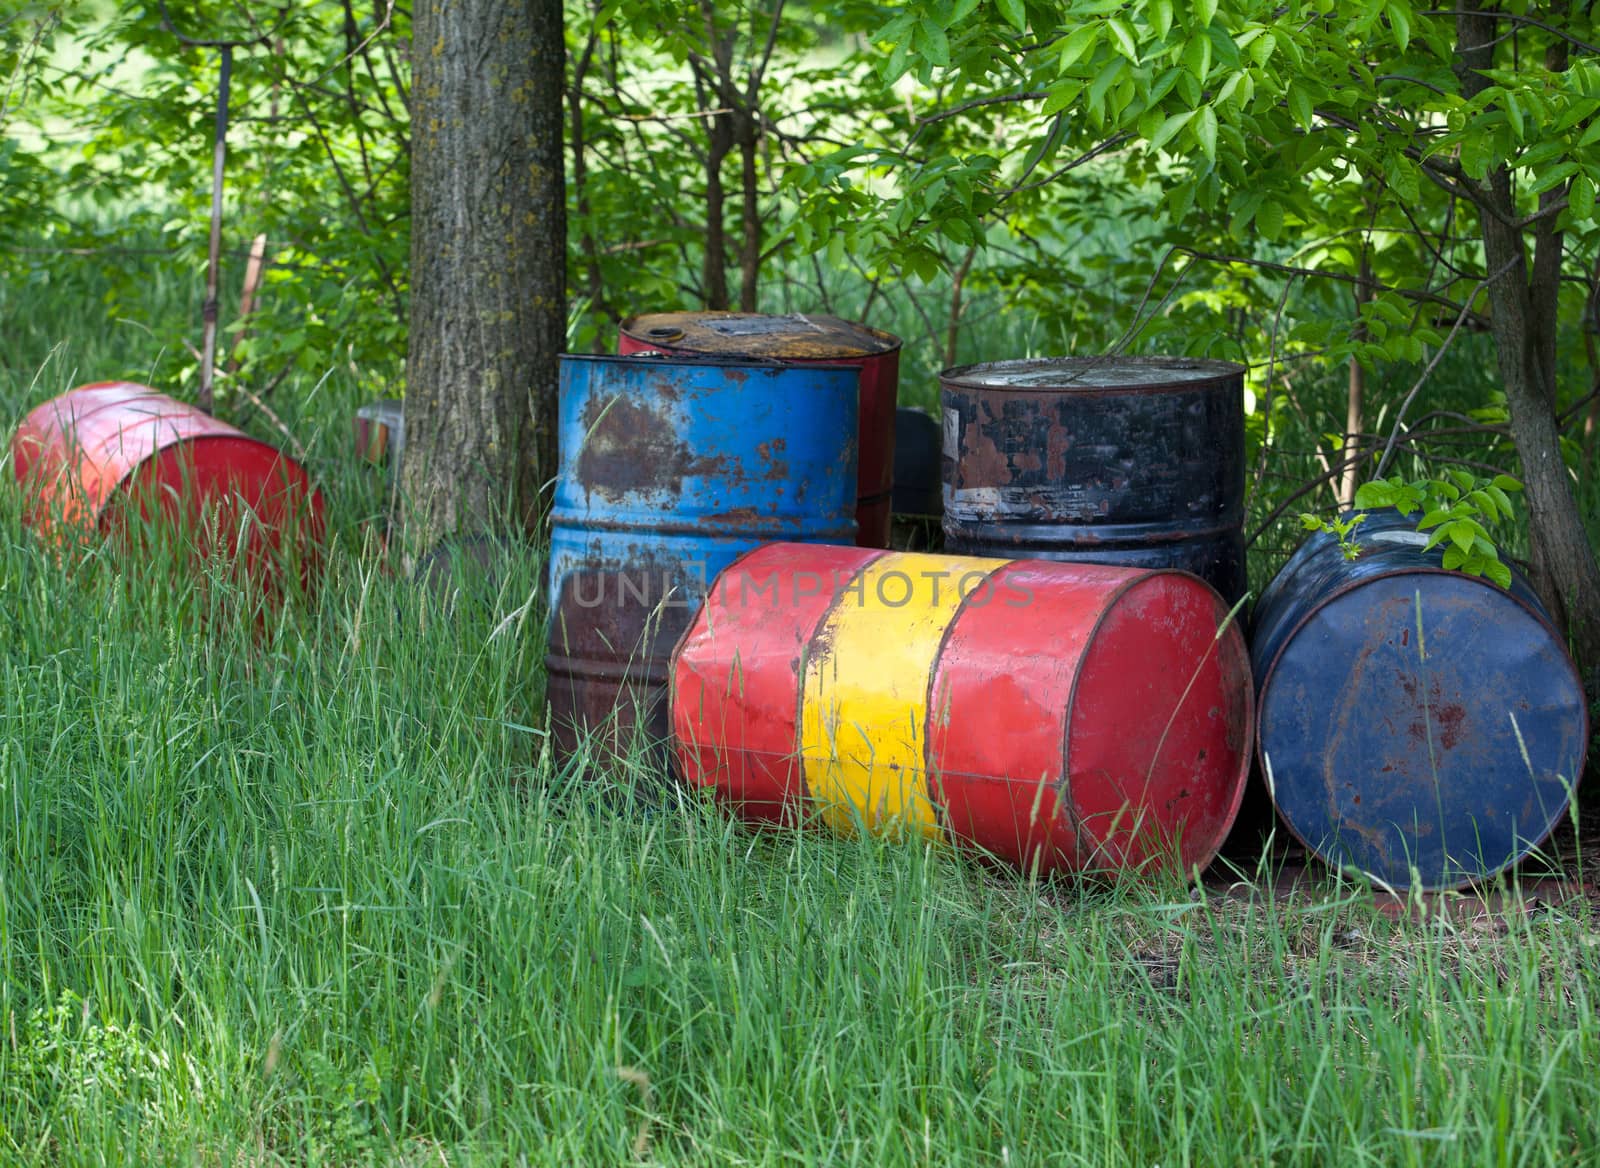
[[1137, 461], [1421, 726], [669, 471]]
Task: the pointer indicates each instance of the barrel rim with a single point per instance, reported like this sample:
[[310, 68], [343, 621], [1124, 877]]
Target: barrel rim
[[1218, 375], [1141, 577], [672, 360], [314, 496], [631, 327], [1344, 590]]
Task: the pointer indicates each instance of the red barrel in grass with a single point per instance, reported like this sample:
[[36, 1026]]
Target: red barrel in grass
[[1053, 715], [801, 339], [98, 458]]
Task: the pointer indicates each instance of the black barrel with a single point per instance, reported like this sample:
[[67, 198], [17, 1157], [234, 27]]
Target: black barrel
[[1422, 726], [1133, 461], [916, 463]]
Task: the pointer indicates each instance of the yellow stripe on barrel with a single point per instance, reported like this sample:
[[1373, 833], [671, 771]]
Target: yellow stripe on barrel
[[864, 710]]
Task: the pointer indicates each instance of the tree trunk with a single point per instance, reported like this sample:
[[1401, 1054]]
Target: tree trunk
[[1523, 321], [488, 265], [750, 213], [593, 278], [715, 274], [1355, 395]]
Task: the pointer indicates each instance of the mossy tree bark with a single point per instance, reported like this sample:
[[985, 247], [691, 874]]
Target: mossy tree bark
[[488, 265]]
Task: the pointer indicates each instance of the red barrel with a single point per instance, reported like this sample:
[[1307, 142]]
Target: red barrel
[[1054, 715], [801, 339], [96, 457]]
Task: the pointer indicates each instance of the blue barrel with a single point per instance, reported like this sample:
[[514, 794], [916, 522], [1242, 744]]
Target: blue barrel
[[1422, 726], [671, 468]]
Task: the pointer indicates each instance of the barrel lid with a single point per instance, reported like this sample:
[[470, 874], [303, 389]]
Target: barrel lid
[[647, 360], [1067, 374], [796, 336]]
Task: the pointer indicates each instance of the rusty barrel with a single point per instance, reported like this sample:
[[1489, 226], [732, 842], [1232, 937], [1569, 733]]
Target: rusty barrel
[[380, 431], [670, 469], [1421, 726], [792, 339], [95, 459], [1052, 715], [1135, 461]]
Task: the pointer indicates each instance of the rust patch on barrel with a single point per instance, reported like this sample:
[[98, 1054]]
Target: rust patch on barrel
[[629, 447], [982, 461]]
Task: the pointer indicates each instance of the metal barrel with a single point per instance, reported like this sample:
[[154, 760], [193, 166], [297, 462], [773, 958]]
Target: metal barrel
[[380, 431], [916, 463], [798, 339], [1421, 726], [1051, 715], [97, 458], [1135, 461], [670, 469]]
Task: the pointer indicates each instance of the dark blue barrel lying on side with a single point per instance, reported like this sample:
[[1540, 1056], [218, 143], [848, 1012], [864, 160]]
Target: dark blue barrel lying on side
[[1422, 726], [1132, 461], [670, 469]]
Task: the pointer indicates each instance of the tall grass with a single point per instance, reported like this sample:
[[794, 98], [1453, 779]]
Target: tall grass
[[311, 891]]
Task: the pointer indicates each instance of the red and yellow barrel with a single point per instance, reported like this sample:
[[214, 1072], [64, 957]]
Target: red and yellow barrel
[[1054, 715]]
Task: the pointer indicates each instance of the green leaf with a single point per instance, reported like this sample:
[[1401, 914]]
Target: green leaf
[[1061, 96], [1261, 48], [1374, 495], [1197, 57], [1513, 110], [1204, 10], [1433, 519], [1580, 196], [1168, 128], [1555, 176], [1123, 35], [1160, 16], [1310, 522], [1462, 534], [1403, 178], [1498, 572], [1300, 106], [1506, 483], [1205, 132], [1014, 13], [1400, 24], [894, 66], [1454, 557], [1083, 38], [1501, 498], [935, 45], [1477, 154], [1269, 218], [1228, 88]]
